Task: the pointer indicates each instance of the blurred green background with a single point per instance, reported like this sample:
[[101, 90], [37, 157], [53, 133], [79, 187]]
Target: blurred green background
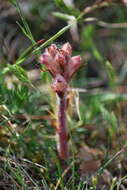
[[97, 116]]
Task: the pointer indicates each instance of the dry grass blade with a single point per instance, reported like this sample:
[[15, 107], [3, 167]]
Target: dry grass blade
[[36, 164], [13, 180], [105, 24], [110, 160], [64, 173]]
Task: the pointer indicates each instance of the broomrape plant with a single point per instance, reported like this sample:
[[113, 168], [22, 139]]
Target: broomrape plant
[[61, 66]]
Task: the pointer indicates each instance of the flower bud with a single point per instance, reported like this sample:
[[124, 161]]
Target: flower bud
[[59, 61], [59, 85], [73, 66], [52, 50], [60, 58], [49, 62], [67, 48]]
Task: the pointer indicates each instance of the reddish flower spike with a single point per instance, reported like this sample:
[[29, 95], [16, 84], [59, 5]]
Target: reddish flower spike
[[61, 66]]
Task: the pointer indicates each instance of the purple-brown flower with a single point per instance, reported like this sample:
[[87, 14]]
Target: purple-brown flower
[[61, 65]]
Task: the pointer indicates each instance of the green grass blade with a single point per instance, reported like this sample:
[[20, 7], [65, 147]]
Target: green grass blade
[[100, 171], [25, 24], [49, 41]]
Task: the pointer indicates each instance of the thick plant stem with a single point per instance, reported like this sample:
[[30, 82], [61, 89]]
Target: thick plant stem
[[62, 145]]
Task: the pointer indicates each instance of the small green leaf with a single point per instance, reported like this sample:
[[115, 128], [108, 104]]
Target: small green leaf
[[111, 74], [63, 16], [67, 9], [12, 2], [20, 73], [97, 54], [62, 6], [24, 31]]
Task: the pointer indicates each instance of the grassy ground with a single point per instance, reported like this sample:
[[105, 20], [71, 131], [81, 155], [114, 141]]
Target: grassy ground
[[96, 117]]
